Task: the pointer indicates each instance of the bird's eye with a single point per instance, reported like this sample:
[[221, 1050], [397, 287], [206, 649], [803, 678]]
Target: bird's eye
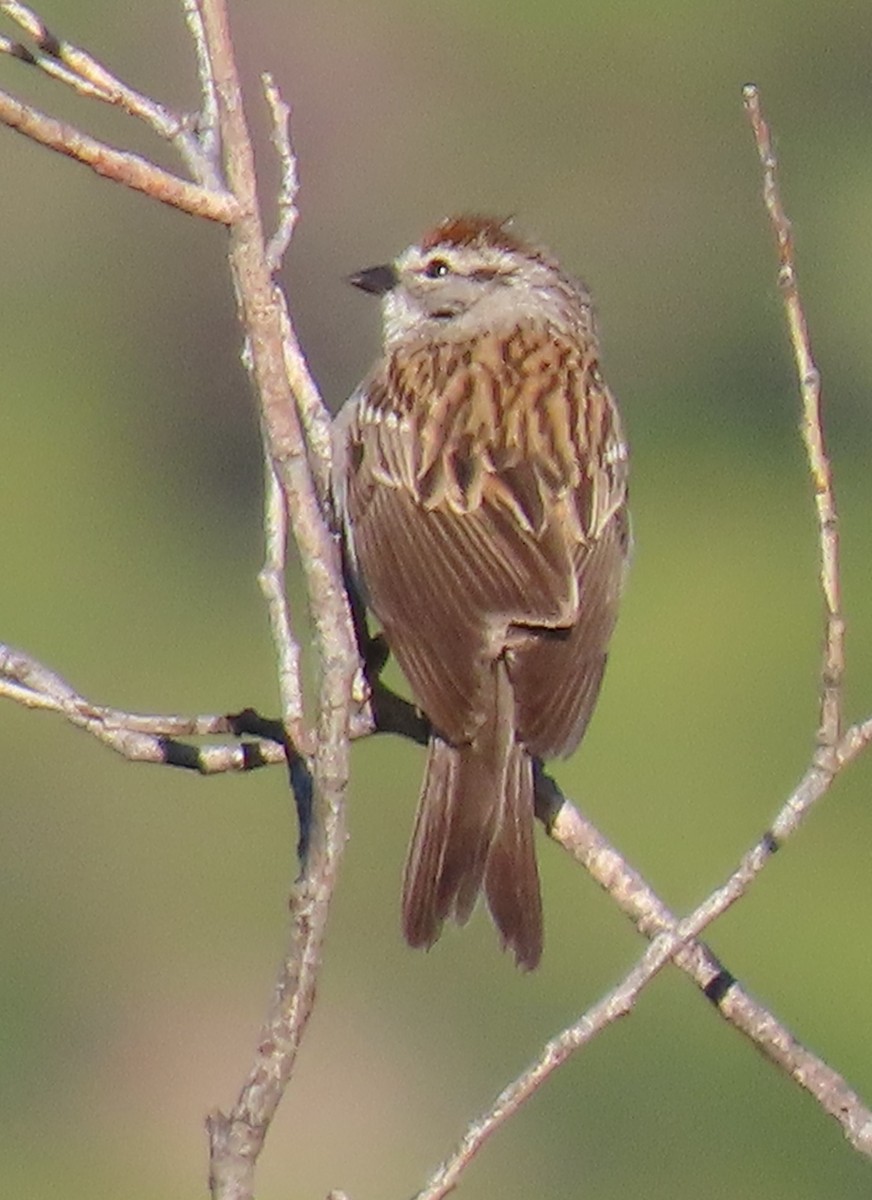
[[436, 268]]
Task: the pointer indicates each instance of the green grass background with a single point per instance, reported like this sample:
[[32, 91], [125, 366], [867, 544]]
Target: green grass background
[[143, 911]]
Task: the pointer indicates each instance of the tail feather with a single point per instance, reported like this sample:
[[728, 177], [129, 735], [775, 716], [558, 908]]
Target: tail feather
[[512, 878], [455, 826], [474, 829]]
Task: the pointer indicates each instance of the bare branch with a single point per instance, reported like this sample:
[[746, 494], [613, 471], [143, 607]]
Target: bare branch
[[51, 66], [288, 184], [314, 415], [82, 72], [207, 119], [135, 736], [812, 433], [28, 682], [668, 944], [674, 940], [313, 412], [652, 917], [119, 165], [272, 584], [616, 1003], [146, 738], [236, 1139]]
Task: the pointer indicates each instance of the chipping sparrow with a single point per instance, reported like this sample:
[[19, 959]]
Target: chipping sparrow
[[481, 480]]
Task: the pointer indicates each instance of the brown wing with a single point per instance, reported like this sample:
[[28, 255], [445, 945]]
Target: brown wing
[[556, 676], [475, 512]]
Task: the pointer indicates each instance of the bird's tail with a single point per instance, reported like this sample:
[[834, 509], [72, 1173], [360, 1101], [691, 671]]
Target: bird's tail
[[474, 830]]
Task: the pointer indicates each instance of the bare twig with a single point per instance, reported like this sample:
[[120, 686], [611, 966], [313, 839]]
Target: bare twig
[[81, 71], [616, 1003], [288, 183], [236, 1139], [120, 165], [637, 900], [136, 736], [272, 584], [51, 66], [313, 412], [812, 433], [277, 368], [145, 738], [207, 119]]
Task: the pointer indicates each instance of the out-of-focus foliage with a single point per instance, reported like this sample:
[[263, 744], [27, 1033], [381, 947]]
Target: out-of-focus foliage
[[142, 909]]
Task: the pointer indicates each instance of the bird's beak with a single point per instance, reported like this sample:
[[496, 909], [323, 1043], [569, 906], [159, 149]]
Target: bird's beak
[[377, 280]]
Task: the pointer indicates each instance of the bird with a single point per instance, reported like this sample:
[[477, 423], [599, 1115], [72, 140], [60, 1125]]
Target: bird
[[480, 482]]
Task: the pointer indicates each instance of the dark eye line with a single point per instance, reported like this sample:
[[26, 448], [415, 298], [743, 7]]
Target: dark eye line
[[485, 274], [438, 268]]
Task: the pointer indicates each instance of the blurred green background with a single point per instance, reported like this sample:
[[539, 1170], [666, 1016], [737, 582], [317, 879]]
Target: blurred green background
[[144, 910]]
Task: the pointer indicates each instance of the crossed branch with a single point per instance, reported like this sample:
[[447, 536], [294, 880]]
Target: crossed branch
[[215, 148]]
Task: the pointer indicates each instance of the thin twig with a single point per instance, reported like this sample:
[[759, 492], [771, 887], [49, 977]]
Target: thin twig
[[637, 900], [81, 71], [812, 433], [136, 736], [272, 585], [288, 184], [50, 66], [207, 119], [144, 738], [314, 414], [237, 1138], [119, 165], [670, 943], [616, 1003]]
